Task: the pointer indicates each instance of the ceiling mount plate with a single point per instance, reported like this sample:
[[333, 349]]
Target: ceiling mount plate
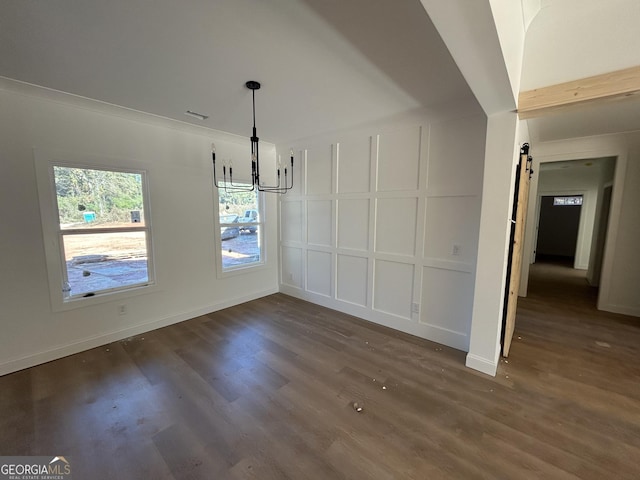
[[253, 85]]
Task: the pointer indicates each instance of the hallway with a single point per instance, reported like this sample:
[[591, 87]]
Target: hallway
[[587, 356], [560, 315]]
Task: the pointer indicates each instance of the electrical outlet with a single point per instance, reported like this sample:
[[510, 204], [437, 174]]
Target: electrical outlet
[[455, 250], [122, 309], [415, 307]]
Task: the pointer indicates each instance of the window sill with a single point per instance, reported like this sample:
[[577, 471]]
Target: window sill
[[241, 270], [60, 305]]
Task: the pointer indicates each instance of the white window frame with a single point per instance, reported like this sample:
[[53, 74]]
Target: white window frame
[[260, 224], [45, 161]]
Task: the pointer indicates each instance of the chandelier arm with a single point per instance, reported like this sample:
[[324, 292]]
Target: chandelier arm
[[216, 182], [238, 187], [224, 185], [280, 188], [285, 174], [282, 185]]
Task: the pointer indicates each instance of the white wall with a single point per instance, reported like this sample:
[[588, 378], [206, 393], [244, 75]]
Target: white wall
[[509, 18], [371, 227], [620, 279], [601, 223], [505, 135], [621, 295], [563, 45], [177, 159]]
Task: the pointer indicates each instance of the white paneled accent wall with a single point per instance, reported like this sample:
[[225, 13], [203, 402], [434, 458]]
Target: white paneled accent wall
[[385, 225], [398, 160], [319, 272], [353, 223], [352, 277], [396, 221], [319, 225]]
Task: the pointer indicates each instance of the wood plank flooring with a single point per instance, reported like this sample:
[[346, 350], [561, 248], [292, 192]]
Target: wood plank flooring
[[266, 390]]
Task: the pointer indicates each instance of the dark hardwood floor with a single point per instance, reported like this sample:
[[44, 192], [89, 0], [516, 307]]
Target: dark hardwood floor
[[266, 390]]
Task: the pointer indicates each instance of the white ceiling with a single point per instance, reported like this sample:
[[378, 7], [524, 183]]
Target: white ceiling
[[573, 39], [600, 119], [575, 166], [323, 64]]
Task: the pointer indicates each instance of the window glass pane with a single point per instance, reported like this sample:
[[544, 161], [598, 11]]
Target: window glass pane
[[575, 200], [240, 250], [90, 198], [242, 204], [239, 227], [102, 261]]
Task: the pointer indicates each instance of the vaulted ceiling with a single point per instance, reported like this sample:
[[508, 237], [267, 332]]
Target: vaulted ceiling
[[323, 64]]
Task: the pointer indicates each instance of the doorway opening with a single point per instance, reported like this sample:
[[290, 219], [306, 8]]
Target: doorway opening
[[558, 229], [572, 214]]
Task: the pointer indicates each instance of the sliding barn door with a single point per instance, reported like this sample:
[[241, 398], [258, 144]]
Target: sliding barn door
[[516, 249]]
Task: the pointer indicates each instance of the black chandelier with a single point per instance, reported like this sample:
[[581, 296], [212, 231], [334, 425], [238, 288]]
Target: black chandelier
[[282, 185]]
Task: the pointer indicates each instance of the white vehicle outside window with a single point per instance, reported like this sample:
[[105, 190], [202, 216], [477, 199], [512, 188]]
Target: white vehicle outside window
[[241, 229]]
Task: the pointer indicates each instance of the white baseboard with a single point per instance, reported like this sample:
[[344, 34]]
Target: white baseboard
[[61, 351], [623, 309], [434, 333], [481, 364]]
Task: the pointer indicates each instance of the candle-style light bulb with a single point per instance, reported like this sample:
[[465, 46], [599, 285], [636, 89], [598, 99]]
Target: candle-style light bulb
[[213, 148]]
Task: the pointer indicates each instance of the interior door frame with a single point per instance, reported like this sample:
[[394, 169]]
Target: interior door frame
[[585, 149], [602, 217], [581, 225]]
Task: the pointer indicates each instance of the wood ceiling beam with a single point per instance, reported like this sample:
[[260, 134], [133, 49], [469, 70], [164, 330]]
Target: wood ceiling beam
[[599, 88]]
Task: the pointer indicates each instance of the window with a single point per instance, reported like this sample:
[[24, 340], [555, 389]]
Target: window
[[103, 230], [567, 201], [241, 224]]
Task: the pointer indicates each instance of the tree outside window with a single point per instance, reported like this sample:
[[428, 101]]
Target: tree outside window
[[103, 231]]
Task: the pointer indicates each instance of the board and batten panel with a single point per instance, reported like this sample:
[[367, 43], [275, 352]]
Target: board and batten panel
[[382, 208], [353, 223], [354, 165], [292, 268], [456, 153], [396, 225], [399, 159], [319, 222], [319, 272], [447, 304], [352, 279], [452, 221], [393, 288], [319, 169], [291, 229]]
